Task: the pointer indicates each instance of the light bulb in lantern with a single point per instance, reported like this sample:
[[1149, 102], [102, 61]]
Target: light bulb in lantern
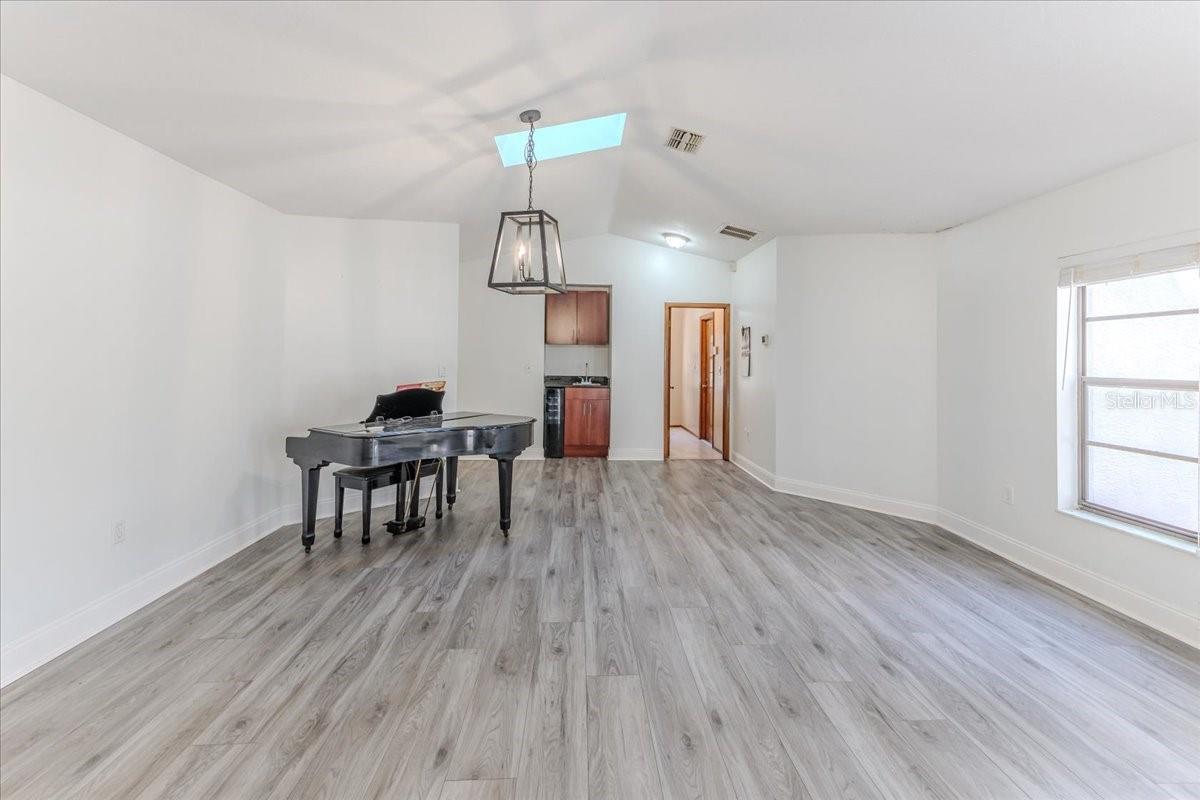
[[519, 267]]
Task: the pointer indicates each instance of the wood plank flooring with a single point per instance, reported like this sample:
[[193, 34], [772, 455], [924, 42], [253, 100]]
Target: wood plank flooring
[[650, 631]]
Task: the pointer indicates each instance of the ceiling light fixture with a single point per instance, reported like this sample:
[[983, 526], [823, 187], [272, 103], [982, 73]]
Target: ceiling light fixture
[[528, 254], [675, 240]]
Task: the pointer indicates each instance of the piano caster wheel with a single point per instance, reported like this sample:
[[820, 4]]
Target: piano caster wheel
[[438, 515], [308, 548], [366, 540], [337, 534]]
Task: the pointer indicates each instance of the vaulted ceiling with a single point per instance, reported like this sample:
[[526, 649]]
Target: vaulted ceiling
[[819, 117]]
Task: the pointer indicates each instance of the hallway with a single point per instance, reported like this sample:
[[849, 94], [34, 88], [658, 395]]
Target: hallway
[[685, 446]]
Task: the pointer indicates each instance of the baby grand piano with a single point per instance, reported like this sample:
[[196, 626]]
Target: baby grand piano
[[373, 444]]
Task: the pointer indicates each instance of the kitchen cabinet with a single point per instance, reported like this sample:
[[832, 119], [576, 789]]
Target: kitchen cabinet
[[560, 318], [586, 422], [577, 317], [591, 318]]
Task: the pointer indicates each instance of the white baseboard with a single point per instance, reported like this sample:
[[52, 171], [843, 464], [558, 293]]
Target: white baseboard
[[759, 473], [1175, 622], [921, 512], [634, 454], [55, 638]]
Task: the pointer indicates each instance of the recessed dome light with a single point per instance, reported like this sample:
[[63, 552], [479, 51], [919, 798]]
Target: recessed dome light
[[675, 240]]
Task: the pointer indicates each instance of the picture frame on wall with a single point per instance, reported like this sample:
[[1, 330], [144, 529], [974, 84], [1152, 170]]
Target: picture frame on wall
[[744, 352]]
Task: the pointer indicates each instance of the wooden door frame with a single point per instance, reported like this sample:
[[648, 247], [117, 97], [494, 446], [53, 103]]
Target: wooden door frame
[[705, 347], [666, 423]]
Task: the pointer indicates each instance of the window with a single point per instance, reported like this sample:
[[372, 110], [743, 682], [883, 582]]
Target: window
[[1139, 376]]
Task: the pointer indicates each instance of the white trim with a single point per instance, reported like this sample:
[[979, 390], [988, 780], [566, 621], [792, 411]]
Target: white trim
[[921, 512], [58, 636], [1175, 622], [635, 454], [55, 638], [754, 470], [1142, 532]]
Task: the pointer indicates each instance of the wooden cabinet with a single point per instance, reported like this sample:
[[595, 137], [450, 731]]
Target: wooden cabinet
[[591, 318], [585, 423], [577, 317], [560, 318]]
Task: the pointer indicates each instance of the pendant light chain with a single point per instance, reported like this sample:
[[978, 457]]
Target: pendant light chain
[[531, 163]]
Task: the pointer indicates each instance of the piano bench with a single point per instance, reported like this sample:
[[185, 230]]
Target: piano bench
[[365, 480]]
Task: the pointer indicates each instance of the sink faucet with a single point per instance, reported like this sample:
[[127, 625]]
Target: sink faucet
[[586, 377]]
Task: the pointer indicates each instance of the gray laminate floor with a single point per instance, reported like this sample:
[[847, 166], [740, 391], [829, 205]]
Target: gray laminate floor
[[650, 631]]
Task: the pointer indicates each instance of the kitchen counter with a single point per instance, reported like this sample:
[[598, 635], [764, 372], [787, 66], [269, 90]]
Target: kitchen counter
[[573, 380]]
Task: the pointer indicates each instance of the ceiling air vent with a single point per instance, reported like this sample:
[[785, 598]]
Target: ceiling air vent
[[684, 141], [738, 233]]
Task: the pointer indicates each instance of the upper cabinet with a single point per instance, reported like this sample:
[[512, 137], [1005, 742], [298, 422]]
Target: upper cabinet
[[560, 318], [591, 318], [577, 317]]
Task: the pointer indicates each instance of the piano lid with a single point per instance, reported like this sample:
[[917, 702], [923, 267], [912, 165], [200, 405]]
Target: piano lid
[[451, 420]]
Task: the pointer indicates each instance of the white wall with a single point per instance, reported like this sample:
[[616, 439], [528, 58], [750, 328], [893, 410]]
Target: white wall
[[160, 334], [997, 385], [856, 351], [839, 405], [752, 427], [501, 336], [368, 304], [575, 359]]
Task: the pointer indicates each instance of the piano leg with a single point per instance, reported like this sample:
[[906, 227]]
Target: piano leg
[[504, 466], [451, 481], [401, 492], [414, 508], [408, 508], [440, 480], [310, 482]]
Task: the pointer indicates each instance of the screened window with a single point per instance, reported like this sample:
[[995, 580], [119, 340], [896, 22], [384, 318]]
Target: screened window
[[1139, 409]]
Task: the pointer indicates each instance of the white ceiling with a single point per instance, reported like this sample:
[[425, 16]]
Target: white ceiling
[[819, 117]]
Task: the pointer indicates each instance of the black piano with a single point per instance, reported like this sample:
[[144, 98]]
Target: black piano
[[379, 443]]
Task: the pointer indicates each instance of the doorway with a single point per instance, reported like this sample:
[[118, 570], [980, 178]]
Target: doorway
[[707, 376], [696, 381]]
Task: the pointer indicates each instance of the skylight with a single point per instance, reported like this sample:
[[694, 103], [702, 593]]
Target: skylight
[[567, 139]]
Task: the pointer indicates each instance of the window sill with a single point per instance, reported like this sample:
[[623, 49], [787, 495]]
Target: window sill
[[1166, 539]]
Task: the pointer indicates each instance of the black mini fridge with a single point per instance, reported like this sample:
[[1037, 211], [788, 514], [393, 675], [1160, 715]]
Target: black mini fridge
[[552, 422]]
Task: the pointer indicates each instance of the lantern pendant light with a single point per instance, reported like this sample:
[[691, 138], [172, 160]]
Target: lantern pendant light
[[528, 254]]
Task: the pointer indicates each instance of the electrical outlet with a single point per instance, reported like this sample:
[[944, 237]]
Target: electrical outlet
[[441, 371], [1006, 495], [118, 532], [746, 433]]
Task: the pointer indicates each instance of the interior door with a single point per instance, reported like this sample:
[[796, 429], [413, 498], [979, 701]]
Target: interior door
[[706, 379]]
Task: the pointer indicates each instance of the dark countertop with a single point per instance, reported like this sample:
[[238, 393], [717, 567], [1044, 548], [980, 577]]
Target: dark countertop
[[571, 380]]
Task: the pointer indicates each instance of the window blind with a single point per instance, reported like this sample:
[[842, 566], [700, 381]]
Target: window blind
[[1168, 259]]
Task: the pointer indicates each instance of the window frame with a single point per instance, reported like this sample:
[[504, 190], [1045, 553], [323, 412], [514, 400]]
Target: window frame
[[1086, 381]]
